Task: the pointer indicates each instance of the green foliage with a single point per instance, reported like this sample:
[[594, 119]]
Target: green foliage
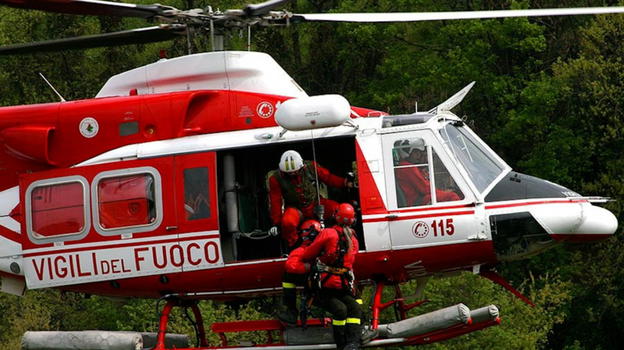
[[522, 326], [575, 138], [51, 310]]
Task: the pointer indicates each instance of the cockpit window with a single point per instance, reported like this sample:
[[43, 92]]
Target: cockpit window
[[413, 170], [481, 167]]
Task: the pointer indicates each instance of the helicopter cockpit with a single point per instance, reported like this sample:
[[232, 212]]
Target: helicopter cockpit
[[519, 234], [436, 158], [515, 235], [480, 164]]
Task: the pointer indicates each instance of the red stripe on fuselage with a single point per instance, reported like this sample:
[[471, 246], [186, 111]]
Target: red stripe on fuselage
[[10, 235], [10, 275], [521, 204], [432, 215], [435, 208], [120, 245]]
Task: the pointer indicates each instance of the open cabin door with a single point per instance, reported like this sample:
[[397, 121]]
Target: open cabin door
[[428, 201], [113, 221]]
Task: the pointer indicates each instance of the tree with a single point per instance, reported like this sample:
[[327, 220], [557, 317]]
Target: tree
[[575, 123]]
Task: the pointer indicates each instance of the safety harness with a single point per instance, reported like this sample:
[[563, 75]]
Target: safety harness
[[315, 279], [300, 195]]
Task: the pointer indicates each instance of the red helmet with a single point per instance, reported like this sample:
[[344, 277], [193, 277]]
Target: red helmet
[[309, 229], [345, 215]]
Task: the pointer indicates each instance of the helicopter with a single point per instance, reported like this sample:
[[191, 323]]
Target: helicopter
[[96, 200]]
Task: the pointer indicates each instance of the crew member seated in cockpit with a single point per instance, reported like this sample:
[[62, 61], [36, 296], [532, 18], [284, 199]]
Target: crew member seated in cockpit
[[412, 175], [294, 186]]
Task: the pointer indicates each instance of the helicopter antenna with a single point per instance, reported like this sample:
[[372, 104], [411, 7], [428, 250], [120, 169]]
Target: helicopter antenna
[[188, 42], [248, 38], [52, 87], [216, 39], [212, 39]]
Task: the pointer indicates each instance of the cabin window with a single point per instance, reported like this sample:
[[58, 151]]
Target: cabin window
[[127, 201], [57, 209], [196, 203], [414, 162]]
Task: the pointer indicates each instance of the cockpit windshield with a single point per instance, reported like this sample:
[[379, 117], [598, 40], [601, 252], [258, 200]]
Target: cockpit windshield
[[482, 168]]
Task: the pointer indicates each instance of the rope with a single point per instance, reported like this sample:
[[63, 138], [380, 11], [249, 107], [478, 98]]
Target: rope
[[318, 189]]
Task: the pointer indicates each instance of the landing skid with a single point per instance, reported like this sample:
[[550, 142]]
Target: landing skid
[[427, 328]]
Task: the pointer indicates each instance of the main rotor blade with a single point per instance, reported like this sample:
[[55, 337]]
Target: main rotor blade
[[263, 8], [436, 16], [126, 37], [91, 7]]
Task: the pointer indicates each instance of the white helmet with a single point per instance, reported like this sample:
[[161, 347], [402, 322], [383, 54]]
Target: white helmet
[[290, 162], [405, 147]]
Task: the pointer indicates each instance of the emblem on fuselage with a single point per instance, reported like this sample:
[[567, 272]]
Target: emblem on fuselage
[[89, 127], [265, 109], [420, 229]]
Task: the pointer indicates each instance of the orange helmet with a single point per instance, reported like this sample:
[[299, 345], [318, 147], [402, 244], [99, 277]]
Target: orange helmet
[[310, 229], [345, 215]]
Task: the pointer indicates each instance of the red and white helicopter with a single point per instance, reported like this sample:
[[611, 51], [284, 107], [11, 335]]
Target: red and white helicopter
[[94, 193]]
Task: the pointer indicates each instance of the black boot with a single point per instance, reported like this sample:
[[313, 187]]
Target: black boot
[[339, 336], [353, 334], [368, 334], [288, 311]]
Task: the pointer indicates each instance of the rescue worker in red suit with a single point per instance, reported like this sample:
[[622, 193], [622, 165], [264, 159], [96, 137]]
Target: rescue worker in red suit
[[336, 248], [411, 180], [295, 272], [294, 186]]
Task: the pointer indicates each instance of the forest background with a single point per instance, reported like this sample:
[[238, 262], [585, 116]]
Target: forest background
[[549, 99]]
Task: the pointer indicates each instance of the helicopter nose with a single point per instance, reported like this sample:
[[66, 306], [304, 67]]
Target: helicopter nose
[[579, 223], [597, 223]]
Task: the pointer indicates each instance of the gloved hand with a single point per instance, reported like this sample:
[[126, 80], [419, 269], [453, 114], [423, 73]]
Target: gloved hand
[[274, 231]]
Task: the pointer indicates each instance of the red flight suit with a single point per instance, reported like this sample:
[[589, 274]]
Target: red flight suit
[[294, 263], [336, 294], [326, 248], [302, 207], [416, 187]]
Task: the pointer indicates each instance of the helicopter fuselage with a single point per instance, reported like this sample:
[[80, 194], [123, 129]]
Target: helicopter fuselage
[[124, 221], [120, 225]]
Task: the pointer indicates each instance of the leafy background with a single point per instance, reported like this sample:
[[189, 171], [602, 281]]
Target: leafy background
[[549, 99]]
